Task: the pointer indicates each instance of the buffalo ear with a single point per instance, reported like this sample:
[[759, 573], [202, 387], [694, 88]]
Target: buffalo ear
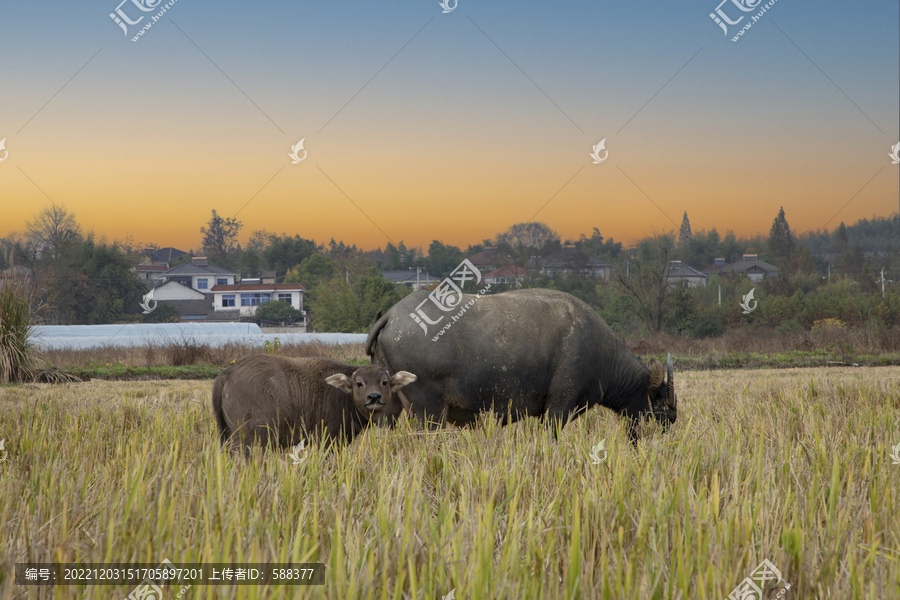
[[341, 382], [657, 375], [400, 379]]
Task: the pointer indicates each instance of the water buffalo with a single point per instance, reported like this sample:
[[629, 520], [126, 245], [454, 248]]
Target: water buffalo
[[532, 352], [279, 401]]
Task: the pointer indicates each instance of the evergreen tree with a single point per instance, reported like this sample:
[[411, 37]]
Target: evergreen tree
[[685, 233], [781, 241]]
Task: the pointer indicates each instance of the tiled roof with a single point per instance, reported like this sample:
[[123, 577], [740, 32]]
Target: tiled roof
[[490, 256], [679, 269], [165, 255], [569, 257], [742, 266], [408, 276], [507, 271]]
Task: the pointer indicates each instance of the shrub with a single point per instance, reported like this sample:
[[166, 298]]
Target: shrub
[[17, 353], [279, 310], [707, 324], [163, 313], [789, 326]]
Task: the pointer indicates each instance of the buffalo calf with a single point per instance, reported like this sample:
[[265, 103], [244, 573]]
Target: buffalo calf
[[278, 401]]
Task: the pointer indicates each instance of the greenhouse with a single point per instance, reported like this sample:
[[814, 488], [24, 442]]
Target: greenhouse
[[54, 337]]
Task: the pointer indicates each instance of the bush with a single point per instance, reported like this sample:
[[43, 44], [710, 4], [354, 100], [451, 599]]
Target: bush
[[789, 326], [279, 310], [163, 313], [707, 324], [17, 354]]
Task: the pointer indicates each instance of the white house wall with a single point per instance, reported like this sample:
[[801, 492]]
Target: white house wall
[[176, 292]]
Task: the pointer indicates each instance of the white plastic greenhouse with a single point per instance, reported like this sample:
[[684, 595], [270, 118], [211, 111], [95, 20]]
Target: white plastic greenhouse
[[215, 334]]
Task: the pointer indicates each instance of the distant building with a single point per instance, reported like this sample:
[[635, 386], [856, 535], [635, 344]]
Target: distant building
[[752, 267], [410, 279], [191, 304], [151, 274], [490, 259], [242, 299], [569, 260], [164, 256], [200, 275], [510, 274], [173, 290], [714, 268], [678, 272]]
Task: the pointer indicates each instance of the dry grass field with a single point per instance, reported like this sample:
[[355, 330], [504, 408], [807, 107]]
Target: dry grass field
[[791, 466]]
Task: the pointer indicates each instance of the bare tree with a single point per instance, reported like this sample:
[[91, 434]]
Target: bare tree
[[645, 280], [52, 231]]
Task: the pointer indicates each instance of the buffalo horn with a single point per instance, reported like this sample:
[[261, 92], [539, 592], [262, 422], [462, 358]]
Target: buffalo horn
[[670, 381]]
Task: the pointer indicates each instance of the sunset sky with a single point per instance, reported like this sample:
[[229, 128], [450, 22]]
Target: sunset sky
[[447, 126]]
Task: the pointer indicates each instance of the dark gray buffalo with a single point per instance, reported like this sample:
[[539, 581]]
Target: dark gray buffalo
[[275, 400], [531, 352]]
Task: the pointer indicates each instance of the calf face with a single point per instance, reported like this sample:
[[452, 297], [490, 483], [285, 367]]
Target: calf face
[[371, 386]]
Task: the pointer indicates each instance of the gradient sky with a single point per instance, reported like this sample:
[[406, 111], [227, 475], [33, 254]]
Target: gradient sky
[[484, 116]]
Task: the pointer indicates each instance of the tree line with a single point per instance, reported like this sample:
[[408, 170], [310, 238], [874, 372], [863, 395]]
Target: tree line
[[80, 279]]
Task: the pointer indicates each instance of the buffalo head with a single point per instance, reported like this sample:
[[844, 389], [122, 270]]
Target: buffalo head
[[371, 386]]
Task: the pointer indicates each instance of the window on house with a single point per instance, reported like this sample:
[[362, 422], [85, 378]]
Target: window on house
[[254, 299], [202, 284], [285, 297], [222, 281], [227, 300]]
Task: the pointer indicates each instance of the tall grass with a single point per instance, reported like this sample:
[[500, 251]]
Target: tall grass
[[792, 466], [18, 361]]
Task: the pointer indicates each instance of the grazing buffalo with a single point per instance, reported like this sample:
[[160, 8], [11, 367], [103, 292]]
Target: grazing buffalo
[[532, 352], [275, 400]]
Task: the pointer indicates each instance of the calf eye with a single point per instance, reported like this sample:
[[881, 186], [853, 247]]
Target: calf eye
[[384, 383], [359, 384]]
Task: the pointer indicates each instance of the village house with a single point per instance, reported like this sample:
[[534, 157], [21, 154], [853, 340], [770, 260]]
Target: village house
[[231, 302], [510, 274], [569, 260], [752, 267], [680, 273]]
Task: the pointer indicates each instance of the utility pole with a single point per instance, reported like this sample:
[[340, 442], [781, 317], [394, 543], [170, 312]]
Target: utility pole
[[348, 276], [829, 273], [882, 282], [720, 295], [418, 271]]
